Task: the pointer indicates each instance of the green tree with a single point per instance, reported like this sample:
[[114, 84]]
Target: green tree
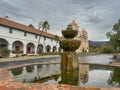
[[114, 36], [114, 77], [44, 26], [107, 49], [56, 38]]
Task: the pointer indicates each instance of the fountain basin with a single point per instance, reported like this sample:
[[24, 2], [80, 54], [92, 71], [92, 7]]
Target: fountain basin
[[69, 44], [87, 75], [69, 33], [6, 82]]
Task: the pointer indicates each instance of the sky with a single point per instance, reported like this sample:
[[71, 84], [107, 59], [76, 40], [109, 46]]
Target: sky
[[97, 17]]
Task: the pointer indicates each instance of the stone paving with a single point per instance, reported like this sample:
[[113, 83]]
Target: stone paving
[[6, 82]]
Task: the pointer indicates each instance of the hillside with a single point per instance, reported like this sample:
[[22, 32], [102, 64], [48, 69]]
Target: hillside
[[96, 43]]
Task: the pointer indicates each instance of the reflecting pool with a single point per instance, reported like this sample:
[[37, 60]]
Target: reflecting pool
[[87, 75]]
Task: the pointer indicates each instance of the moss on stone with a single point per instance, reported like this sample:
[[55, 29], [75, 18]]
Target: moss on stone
[[69, 45], [69, 33]]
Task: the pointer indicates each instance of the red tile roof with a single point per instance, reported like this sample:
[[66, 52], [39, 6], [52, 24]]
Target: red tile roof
[[9, 23]]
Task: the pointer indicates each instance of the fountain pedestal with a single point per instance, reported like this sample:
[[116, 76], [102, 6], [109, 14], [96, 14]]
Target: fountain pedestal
[[69, 60]]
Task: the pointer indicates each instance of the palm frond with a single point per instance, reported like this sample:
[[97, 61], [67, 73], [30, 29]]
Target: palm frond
[[40, 25]]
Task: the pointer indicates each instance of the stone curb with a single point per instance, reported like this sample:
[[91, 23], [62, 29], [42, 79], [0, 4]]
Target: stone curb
[[26, 58]]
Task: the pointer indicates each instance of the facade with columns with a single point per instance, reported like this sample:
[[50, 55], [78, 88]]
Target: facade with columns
[[82, 36], [21, 39]]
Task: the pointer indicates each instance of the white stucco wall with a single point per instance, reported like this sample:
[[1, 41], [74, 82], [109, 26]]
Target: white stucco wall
[[18, 35]]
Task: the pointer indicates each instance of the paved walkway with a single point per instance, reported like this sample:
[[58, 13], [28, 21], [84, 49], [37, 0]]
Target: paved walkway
[[25, 58]]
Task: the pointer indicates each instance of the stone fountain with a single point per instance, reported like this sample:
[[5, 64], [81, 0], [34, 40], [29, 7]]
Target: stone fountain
[[69, 58]]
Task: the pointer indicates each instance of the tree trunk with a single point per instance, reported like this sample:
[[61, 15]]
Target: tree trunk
[[39, 42]]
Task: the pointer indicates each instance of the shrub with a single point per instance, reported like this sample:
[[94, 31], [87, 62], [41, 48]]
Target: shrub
[[24, 55], [108, 50], [4, 52], [17, 55]]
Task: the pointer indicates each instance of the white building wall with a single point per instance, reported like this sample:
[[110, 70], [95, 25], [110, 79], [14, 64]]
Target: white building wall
[[18, 35]]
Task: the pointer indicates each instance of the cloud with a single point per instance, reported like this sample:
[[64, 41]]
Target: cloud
[[96, 16], [8, 9]]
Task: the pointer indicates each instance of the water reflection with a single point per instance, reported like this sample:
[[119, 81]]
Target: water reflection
[[83, 73], [30, 68], [69, 77], [101, 59], [87, 75], [34, 72], [16, 71], [115, 77]]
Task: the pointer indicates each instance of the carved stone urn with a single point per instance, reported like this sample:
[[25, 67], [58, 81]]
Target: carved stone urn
[[69, 58]]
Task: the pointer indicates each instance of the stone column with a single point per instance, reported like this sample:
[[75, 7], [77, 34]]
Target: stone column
[[44, 48], [69, 60], [10, 48], [24, 49], [35, 49]]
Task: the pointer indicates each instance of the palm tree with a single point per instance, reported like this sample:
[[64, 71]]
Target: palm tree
[[56, 38], [44, 26]]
